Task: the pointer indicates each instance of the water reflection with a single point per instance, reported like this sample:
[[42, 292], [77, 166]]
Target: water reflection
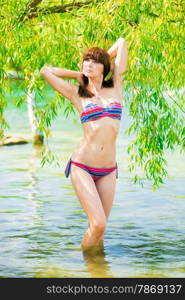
[[97, 265], [33, 193], [33, 165]]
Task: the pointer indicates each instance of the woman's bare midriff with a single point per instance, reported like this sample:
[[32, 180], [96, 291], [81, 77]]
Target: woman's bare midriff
[[98, 147]]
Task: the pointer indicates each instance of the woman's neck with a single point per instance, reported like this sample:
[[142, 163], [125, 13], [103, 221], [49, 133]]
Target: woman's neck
[[95, 84]]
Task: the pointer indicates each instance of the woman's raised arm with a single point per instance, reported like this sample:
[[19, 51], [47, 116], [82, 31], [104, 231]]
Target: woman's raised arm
[[61, 72], [52, 76], [119, 51]]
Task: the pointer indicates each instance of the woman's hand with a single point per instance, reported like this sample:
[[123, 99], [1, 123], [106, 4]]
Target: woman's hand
[[79, 78], [113, 50], [120, 40]]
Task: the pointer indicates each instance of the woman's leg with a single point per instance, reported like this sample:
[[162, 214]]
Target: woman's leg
[[106, 187], [88, 196]]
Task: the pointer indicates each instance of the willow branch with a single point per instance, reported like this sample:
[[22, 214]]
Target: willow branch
[[33, 11]]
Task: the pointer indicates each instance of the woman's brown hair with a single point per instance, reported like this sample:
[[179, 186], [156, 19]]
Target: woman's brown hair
[[101, 56]]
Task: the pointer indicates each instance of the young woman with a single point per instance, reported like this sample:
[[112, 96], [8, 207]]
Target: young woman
[[92, 167]]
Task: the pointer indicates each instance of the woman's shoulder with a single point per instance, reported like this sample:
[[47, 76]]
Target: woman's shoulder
[[80, 101]]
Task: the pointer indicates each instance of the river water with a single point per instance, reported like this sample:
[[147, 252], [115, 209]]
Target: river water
[[42, 222]]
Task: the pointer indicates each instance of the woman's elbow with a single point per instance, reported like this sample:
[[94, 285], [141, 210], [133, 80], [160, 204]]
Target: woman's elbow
[[44, 70]]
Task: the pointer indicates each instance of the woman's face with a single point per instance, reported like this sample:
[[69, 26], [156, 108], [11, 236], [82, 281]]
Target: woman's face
[[91, 68]]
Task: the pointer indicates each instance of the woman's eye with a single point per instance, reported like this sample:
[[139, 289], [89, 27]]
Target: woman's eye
[[91, 60]]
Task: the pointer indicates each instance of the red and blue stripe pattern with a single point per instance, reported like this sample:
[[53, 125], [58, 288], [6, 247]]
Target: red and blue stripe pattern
[[94, 112], [95, 173]]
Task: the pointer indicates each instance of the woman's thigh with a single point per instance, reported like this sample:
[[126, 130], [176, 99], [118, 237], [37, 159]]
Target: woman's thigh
[[87, 194], [106, 187]]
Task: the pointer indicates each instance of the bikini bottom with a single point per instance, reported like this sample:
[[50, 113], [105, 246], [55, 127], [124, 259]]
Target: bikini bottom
[[96, 173]]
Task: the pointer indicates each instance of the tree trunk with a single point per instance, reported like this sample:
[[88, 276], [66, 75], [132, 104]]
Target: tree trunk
[[38, 137]]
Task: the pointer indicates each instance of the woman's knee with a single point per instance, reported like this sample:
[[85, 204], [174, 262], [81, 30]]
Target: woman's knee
[[98, 226]]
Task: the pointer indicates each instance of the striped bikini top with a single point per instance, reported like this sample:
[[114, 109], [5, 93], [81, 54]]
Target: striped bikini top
[[93, 112]]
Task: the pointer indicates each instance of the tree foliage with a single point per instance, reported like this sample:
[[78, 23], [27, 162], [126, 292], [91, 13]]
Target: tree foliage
[[35, 33]]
